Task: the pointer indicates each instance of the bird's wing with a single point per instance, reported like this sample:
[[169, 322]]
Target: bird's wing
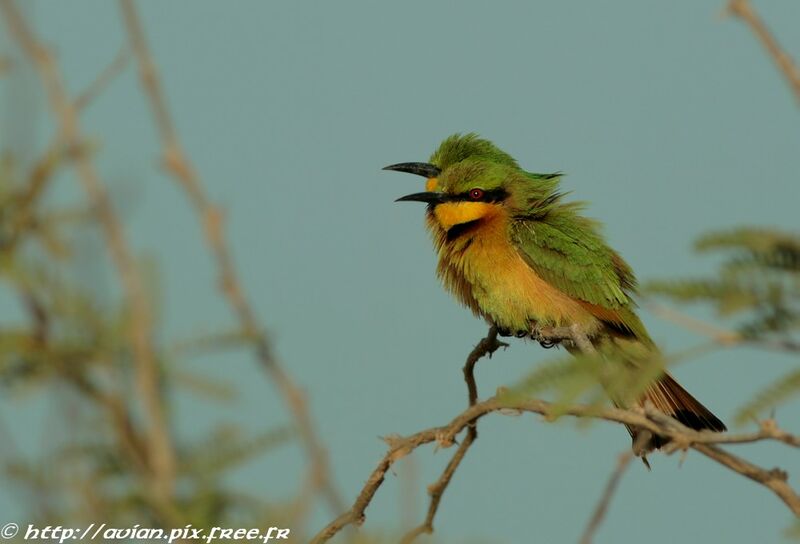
[[567, 251]]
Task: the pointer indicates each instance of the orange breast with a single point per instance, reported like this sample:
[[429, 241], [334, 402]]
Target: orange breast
[[486, 272]]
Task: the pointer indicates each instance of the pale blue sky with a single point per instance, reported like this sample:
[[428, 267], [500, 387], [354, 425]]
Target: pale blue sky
[[668, 119]]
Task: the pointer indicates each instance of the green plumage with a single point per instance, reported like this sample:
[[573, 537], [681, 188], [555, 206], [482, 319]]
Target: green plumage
[[513, 251], [562, 247]]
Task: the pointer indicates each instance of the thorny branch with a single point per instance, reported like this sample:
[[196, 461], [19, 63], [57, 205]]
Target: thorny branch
[[160, 450], [436, 489], [487, 346], [647, 419], [400, 447], [744, 11], [704, 442], [177, 164]]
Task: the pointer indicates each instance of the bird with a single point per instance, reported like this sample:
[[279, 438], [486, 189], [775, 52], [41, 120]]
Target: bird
[[513, 250]]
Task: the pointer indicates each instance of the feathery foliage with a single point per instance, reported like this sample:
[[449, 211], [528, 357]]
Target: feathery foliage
[[72, 339], [757, 287]]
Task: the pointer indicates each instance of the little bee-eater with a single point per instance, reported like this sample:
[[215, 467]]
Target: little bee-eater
[[516, 254]]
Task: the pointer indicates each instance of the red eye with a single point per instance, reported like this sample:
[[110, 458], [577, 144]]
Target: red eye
[[476, 194]]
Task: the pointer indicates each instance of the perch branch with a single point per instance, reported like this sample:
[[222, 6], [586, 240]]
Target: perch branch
[[487, 346], [574, 334], [702, 441]]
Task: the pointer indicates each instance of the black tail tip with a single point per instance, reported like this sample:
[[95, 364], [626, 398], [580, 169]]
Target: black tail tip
[[693, 420], [700, 422]]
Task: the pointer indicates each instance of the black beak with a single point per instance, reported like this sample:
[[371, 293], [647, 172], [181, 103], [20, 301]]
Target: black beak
[[430, 198], [419, 168]]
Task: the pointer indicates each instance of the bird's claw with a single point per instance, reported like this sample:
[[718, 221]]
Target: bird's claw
[[544, 341], [534, 333]]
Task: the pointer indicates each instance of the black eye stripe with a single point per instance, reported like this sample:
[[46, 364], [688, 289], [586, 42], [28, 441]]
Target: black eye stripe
[[493, 195]]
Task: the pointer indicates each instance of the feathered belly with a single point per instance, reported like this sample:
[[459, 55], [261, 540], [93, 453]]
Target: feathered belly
[[486, 273]]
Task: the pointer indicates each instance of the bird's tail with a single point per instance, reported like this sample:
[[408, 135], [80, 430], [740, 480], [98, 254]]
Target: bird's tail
[[669, 397]]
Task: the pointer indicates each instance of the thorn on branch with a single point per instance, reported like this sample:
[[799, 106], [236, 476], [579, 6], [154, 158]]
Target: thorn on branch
[[443, 440], [779, 474]]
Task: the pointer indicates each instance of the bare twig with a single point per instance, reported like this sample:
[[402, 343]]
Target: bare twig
[[721, 336], [773, 479], [718, 334], [176, 163], [161, 455], [105, 77], [768, 430], [744, 11], [623, 462], [698, 440], [487, 346], [646, 419], [436, 490]]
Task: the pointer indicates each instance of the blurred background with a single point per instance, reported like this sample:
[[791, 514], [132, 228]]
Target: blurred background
[[668, 118]]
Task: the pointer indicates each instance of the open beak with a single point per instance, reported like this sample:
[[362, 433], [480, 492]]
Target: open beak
[[425, 170], [419, 168], [430, 198]]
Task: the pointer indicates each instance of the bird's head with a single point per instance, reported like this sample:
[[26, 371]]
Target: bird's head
[[469, 179]]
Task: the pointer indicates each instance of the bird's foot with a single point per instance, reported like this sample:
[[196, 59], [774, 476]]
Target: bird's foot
[[506, 333], [537, 333]]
